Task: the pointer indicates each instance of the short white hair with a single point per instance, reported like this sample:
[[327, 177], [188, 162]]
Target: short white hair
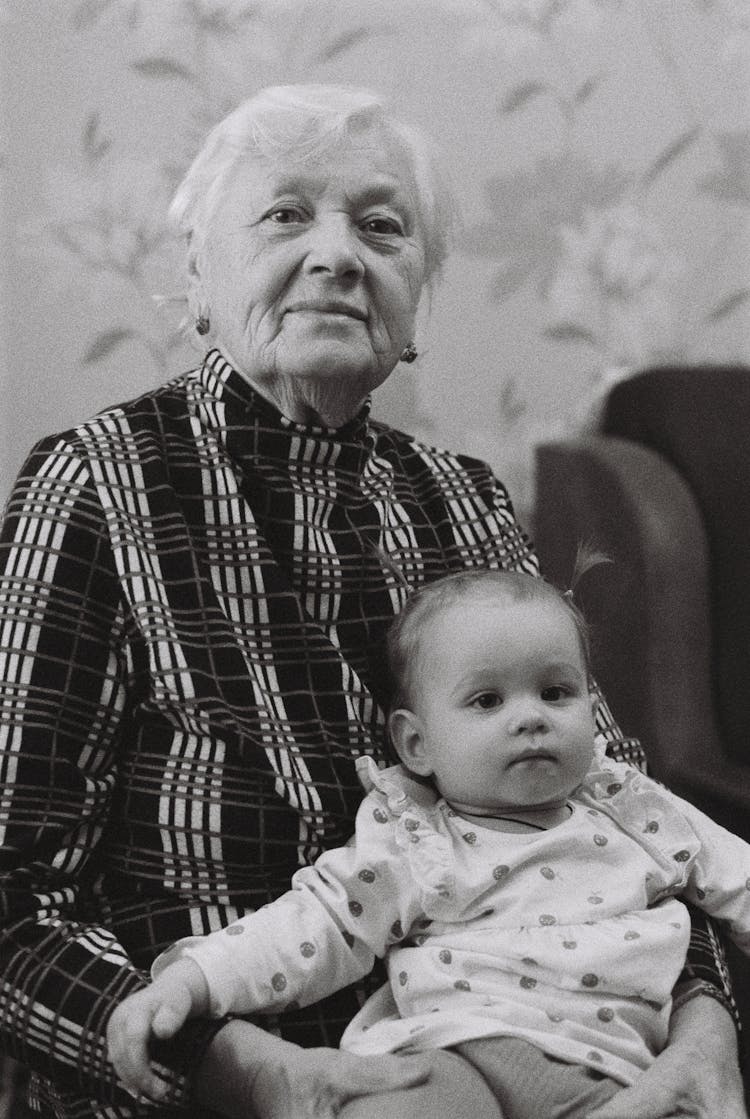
[[296, 122]]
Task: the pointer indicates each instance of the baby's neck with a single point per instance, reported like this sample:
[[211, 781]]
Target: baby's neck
[[520, 820]]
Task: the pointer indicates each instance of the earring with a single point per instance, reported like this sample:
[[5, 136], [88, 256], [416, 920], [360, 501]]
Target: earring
[[409, 353], [202, 325]]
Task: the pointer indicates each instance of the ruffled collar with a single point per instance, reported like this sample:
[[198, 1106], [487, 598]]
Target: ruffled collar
[[420, 831]]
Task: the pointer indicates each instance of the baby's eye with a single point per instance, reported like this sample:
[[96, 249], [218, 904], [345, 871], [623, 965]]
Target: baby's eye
[[382, 226], [487, 701], [554, 693]]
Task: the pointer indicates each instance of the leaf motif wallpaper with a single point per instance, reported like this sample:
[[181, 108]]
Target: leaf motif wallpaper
[[599, 150]]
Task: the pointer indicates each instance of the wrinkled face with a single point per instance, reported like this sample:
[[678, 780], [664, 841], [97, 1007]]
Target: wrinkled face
[[313, 270], [501, 698]]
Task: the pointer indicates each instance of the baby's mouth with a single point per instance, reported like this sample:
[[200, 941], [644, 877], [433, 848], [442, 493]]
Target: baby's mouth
[[532, 756]]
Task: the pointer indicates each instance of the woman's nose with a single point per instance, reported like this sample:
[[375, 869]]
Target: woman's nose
[[334, 248]]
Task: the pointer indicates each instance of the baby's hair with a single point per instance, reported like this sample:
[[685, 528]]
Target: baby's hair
[[406, 630]]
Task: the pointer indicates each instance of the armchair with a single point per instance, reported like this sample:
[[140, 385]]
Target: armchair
[[664, 489]]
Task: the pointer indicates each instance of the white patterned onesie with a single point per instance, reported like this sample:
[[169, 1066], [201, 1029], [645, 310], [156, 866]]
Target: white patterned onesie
[[569, 938]]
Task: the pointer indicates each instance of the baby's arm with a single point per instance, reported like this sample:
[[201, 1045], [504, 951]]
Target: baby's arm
[[716, 862], [179, 992], [321, 935], [719, 881]]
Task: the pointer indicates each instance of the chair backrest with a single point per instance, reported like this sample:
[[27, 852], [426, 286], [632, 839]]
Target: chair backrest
[[698, 418]]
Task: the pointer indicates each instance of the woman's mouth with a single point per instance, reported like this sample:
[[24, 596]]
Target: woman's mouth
[[329, 307]]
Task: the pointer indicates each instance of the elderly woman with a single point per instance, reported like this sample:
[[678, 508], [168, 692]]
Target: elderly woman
[[196, 587]]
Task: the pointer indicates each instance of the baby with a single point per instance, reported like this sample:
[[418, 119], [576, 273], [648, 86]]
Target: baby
[[521, 885]]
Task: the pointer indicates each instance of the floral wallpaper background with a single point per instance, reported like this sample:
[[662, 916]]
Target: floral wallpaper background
[[600, 152]]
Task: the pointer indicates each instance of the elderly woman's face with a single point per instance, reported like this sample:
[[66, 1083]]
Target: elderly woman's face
[[313, 271]]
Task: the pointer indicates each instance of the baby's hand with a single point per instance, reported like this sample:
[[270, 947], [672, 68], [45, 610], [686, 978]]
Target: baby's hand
[[178, 993]]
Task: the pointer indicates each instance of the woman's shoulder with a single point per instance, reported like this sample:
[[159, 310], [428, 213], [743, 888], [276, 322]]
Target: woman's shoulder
[[152, 409], [387, 437], [169, 399], [131, 433], [416, 457]]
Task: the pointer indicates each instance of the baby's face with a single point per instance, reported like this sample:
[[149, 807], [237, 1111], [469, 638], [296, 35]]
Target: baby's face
[[501, 697]]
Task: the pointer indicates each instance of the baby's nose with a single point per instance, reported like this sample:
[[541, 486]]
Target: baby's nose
[[528, 718]]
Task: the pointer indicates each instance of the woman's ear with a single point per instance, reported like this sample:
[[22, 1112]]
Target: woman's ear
[[408, 740], [195, 280]]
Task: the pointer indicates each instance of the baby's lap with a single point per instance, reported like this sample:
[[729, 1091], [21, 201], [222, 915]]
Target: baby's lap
[[455, 1088], [492, 1078], [528, 1084]]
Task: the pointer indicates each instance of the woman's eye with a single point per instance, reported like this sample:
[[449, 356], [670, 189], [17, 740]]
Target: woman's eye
[[285, 215], [382, 227], [487, 701]]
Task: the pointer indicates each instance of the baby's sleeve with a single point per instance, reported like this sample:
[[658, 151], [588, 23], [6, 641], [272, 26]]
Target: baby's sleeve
[[321, 935], [719, 881]]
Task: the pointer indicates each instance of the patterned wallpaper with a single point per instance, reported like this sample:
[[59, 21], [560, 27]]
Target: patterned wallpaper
[[600, 151]]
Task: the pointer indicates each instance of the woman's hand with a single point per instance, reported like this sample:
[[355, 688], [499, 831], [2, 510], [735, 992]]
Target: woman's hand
[[178, 993], [697, 1075], [250, 1074]]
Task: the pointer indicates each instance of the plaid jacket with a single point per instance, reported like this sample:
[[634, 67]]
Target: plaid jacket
[[192, 608]]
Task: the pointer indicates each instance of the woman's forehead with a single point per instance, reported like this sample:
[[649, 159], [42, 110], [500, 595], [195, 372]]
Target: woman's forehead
[[370, 166]]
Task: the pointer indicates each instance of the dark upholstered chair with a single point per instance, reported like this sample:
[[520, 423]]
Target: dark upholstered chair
[[664, 489]]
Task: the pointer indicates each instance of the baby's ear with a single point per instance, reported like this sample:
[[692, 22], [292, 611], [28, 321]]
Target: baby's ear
[[407, 737]]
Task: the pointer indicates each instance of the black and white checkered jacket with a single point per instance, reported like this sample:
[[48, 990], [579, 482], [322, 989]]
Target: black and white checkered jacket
[[192, 607]]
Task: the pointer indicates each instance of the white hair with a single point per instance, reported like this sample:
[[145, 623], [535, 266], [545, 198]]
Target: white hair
[[297, 122]]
